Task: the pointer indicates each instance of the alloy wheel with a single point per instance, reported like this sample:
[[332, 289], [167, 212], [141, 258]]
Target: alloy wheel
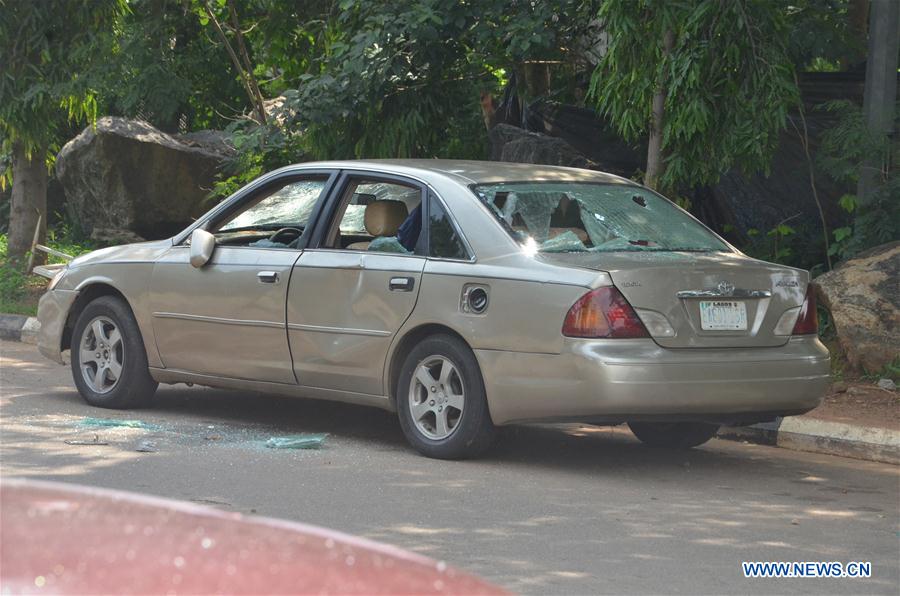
[[436, 397], [101, 355]]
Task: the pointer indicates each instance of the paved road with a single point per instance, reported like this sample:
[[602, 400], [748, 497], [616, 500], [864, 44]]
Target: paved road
[[552, 510]]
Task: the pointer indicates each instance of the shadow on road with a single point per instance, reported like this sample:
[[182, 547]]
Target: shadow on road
[[560, 508]]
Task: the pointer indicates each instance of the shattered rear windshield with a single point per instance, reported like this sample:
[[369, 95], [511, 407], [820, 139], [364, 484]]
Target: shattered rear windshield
[[582, 217]]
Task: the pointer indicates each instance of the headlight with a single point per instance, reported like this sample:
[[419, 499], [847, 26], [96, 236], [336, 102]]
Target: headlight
[[57, 278]]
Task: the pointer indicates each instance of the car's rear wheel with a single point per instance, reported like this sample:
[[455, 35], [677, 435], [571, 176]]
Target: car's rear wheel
[[674, 435], [109, 363], [441, 400]]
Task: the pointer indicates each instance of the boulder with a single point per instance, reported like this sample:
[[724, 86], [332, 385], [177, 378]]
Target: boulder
[[557, 134], [511, 143], [112, 236], [127, 175], [863, 297], [589, 134]]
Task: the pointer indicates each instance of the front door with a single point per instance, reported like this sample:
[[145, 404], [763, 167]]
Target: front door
[[227, 318], [351, 294]]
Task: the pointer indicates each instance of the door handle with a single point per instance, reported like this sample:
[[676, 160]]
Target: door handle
[[401, 284], [267, 277]]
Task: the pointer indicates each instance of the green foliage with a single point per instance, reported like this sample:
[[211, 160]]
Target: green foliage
[[781, 244], [820, 34], [845, 148], [391, 79], [395, 78], [19, 292], [48, 50], [729, 81], [891, 370], [163, 69], [66, 240], [13, 285], [780, 251]]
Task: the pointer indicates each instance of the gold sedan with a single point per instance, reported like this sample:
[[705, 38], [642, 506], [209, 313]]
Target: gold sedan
[[462, 295]]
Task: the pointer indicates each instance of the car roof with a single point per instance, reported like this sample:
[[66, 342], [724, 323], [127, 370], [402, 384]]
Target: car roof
[[474, 172]]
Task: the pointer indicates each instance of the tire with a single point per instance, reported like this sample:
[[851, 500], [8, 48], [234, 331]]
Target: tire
[[126, 381], [673, 435], [458, 398]]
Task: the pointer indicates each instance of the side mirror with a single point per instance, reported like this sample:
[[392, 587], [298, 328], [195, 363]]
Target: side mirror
[[202, 245]]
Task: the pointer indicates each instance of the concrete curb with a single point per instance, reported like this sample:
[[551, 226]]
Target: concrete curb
[[805, 433], [19, 328], [800, 433]]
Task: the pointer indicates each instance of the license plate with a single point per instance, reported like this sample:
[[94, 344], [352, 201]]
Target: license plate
[[723, 315]]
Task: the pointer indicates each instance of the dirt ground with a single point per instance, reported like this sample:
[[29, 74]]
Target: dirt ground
[[861, 403]]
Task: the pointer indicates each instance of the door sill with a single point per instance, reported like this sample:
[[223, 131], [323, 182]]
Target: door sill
[[171, 376]]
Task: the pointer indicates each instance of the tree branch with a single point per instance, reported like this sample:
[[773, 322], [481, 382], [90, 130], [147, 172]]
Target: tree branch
[[804, 140], [245, 56], [245, 77]]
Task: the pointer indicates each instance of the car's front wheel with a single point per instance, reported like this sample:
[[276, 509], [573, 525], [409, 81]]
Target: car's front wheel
[[674, 435], [441, 400], [109, 363]]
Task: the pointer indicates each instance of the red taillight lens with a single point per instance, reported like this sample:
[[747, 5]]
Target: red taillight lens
[[603, 312], [808, 322]]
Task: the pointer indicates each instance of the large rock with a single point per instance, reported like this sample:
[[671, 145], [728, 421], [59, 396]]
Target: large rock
[[589, 134], [863, 296], [557, 134], [511, 143], [126, 175]]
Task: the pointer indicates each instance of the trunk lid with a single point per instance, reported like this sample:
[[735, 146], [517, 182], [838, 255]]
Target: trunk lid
[[743, 298]]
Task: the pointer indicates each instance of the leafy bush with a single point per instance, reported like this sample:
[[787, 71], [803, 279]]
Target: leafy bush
[[845, 149], [19, 292], [13, 285]]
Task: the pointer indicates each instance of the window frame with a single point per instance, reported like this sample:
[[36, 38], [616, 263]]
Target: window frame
[[456, 229], [328, 215], [265, 183]]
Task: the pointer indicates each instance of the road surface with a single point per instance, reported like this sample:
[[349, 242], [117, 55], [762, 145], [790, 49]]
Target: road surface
[[564, 509]]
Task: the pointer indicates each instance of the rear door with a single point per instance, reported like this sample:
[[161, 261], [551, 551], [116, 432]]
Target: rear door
[[353, 289]]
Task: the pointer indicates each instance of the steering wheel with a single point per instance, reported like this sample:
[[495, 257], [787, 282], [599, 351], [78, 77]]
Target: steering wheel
[[293, 233]]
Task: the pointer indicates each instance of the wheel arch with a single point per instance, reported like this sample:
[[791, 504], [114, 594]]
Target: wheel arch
[[88, 292], [403, 347]]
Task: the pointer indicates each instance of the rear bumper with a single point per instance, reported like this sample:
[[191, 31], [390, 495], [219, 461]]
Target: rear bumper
[[53, 310], [620, 380]]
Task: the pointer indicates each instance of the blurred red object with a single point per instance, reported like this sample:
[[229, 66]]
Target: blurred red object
[[68, 539]]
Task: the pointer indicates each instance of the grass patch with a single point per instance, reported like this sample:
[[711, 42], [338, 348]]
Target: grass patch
[[19, 293]]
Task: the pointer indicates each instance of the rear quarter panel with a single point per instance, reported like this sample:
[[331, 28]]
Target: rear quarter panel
[[525, 312]]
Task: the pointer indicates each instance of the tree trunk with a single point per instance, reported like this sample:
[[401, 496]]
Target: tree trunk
[[28, 202], [880, 92], [858, 26], [655, 165]]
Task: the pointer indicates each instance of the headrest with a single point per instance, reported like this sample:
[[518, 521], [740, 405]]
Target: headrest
[[383, 218]]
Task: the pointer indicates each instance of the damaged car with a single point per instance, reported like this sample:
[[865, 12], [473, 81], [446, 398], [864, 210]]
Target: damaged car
[[461, 295]]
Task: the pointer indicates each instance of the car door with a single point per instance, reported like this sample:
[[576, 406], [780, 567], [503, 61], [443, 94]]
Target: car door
[[227, 318], [347, 297]]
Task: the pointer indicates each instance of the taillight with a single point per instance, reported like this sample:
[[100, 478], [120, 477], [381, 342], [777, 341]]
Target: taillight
[[808, 322], [603, 312]]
